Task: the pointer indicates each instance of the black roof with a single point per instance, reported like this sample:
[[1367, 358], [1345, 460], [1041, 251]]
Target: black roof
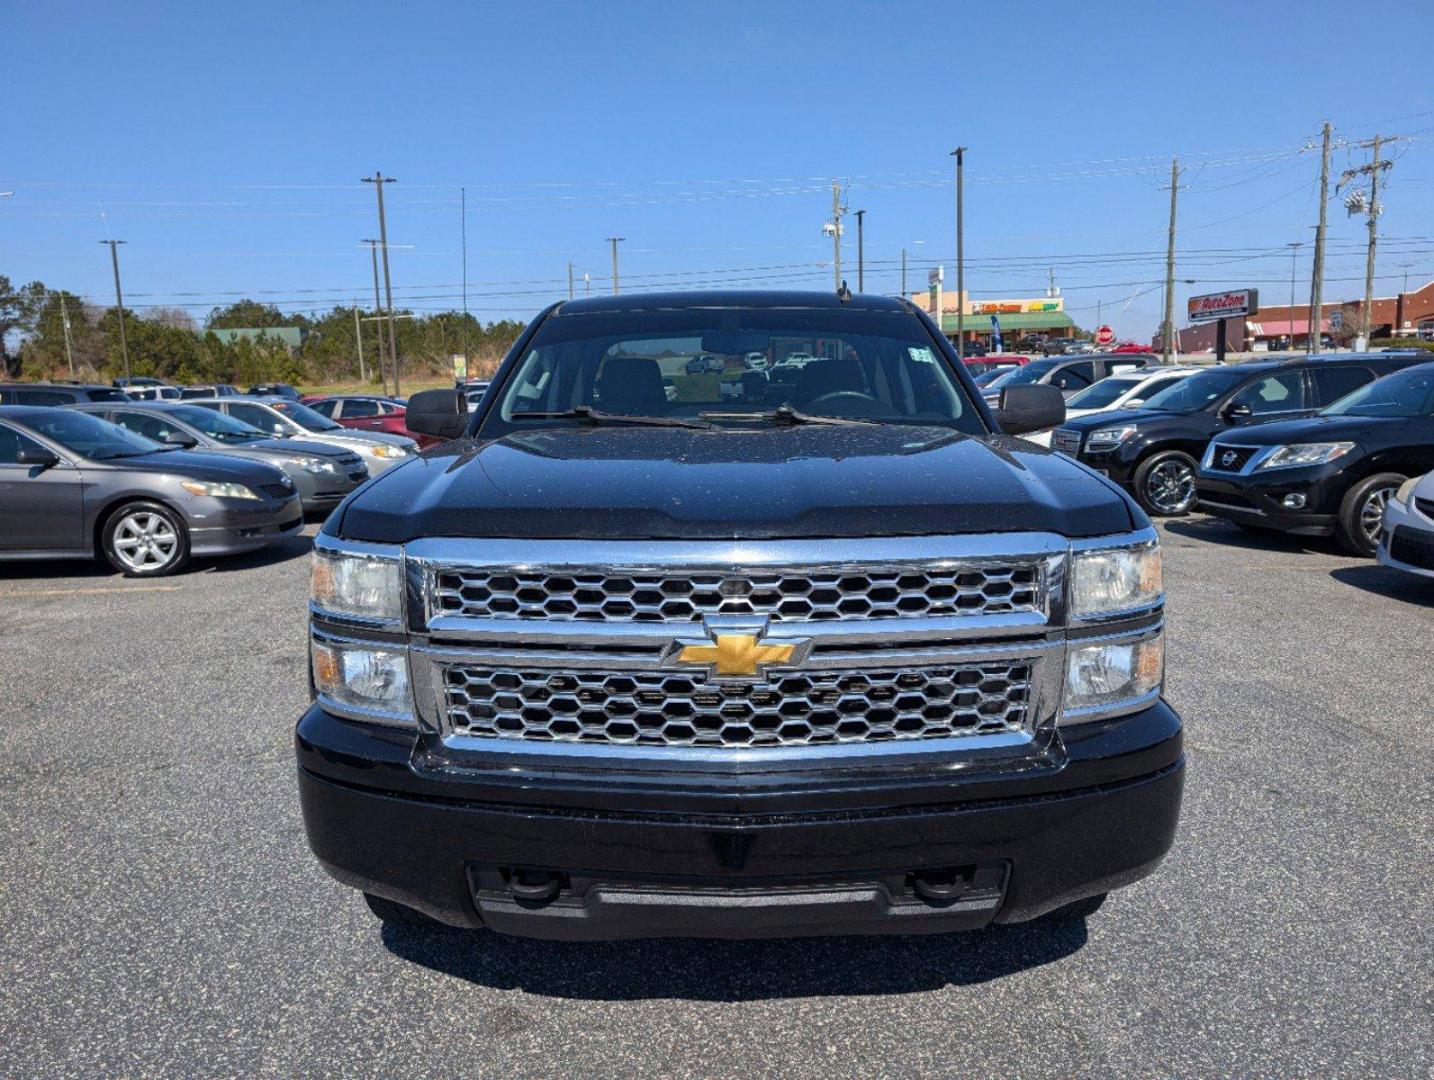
[[729, 298], [22, 413]]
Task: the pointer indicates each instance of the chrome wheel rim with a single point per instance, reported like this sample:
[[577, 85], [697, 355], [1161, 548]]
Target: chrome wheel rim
[[143, 540], [1371, 514], [1171, 487]]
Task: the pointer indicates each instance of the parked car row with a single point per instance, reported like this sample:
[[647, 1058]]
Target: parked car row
[[1312, 445]]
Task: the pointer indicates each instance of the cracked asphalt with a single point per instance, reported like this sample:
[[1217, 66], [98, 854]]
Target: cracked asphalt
[[162, 915]]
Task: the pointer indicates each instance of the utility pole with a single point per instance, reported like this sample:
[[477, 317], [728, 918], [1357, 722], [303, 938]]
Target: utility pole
[[570, 281], [960, 155], [1098, 323], [903, 272], [1294, 247], [119, 302], [378, 180], [587, 284], [1356, 202], [614, 241], [463, 202], [835, 226], [1167, 333], [1317, 270], [860, 253], [378, 310], [358, 339], [70, 355]]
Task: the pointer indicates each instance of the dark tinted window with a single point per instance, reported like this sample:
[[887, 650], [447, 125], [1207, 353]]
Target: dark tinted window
[[1333, 383], [89, 436], [146, 424], [10, 443], [36, 395], [106, 394], [260, 418], [359, 407], [324, 408], [1283, 392], [1074, 376], [1407, 394]]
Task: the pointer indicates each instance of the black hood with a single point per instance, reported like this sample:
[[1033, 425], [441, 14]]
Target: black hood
[[1314, 429], [656, 483]]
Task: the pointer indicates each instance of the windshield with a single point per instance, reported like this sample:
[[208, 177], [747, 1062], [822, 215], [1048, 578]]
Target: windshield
[[90, 437], [1103, 393], [1407, 394], [216, 425], [1198, 391], [304, 416], [692, 366], [1029, 373]]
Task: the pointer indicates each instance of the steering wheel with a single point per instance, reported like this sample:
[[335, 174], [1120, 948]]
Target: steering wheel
[[849, 403]]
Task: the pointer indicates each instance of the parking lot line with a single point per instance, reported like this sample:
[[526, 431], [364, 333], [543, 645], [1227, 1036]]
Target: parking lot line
[[91, 591]]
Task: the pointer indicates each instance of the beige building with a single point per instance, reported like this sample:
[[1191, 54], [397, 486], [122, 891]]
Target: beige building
[[1018, 318]]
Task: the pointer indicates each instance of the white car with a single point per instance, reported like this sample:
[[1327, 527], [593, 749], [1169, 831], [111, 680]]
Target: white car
[[1123, 390], [1407, 540], [755, 361], [287, 419]]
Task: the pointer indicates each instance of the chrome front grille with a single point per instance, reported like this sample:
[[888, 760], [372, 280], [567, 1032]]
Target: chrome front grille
[[570, 594], [1066, 441], [784, 708]]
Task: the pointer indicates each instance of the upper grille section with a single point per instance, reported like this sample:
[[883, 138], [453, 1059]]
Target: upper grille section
[[1066, 441], [668, 596]]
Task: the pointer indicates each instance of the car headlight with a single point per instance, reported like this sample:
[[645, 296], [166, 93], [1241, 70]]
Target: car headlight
[[217, 490], [390, 453], [1104, 678], [1315, 453], [362, 584], [368, 680], [1406, 490], [1110, 581], [1106, 437], [311, 464]]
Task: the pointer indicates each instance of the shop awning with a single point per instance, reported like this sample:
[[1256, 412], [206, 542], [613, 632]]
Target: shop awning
[[1027, 320], [1283, 327]]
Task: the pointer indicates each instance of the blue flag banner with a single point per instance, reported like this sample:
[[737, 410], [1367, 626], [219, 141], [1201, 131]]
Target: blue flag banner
[[996, 345]]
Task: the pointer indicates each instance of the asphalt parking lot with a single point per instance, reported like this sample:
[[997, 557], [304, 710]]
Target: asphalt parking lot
[[163, 916]]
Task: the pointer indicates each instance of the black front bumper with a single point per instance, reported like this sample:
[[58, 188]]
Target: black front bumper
[[736, 859], [1259, 501]]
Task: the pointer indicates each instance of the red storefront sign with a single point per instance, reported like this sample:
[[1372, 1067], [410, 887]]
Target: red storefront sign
[[1224, 305]]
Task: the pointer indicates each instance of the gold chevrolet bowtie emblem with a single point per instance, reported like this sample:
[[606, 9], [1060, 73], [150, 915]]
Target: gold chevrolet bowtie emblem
[[736, 654]]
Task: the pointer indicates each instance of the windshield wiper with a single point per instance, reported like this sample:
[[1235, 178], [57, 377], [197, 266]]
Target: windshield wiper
[[784, 414], [126, 454], [596, 416]]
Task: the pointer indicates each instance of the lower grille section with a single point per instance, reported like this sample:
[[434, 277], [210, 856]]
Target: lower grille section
[[791, 708], [1412, 548]]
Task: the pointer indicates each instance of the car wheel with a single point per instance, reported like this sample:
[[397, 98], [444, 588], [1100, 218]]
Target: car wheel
[[391, 911], [1165, 483], [1079, 909], [145, 539], [1361, 512]]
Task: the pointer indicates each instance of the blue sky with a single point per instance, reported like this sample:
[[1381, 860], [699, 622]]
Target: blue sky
[[225, 144]]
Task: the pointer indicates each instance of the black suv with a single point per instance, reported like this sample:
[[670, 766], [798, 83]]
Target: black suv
[[609, 664], [57, 393], [1331, 473], [1155, 450]]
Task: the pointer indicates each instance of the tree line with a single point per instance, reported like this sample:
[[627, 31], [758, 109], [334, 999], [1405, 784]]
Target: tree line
[[169, 343]]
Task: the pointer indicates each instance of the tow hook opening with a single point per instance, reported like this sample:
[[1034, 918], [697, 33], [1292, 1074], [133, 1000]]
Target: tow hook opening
[[942, 886], [534, 886]]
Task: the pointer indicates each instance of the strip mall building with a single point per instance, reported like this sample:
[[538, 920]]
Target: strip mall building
[[1043, 316], [1276, 327]]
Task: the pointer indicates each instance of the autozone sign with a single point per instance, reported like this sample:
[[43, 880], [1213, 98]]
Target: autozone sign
[[1224, 305]]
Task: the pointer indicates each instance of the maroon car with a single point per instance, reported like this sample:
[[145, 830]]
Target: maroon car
[[369, 413]]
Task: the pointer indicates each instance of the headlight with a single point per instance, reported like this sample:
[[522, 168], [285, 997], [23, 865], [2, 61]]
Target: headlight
[[369, 680], [217, 491], [1406, 490], [1315, 453], [1103, 678], [1106, 437], [390, 453], [311, 464], [1108, 581], [361, 584]]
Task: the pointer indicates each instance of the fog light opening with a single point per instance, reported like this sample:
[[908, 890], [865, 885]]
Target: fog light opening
[[1293, 501]]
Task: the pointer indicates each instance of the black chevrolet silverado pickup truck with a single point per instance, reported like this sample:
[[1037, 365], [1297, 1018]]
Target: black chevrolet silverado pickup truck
[[820, 648]]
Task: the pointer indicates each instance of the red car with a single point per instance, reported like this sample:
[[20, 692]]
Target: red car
[[1132, 347], [367, 413]]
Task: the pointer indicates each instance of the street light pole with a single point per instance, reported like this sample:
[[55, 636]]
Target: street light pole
[[119, 303], [960, 155], [1294, 247], [860, 253], [614, 241]]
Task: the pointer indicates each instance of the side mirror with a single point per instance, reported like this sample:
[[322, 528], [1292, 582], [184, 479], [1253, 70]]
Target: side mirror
[[1134, 403], [1030, 407], [36, 455], [1235, 413], [180, 439], [440, 413]]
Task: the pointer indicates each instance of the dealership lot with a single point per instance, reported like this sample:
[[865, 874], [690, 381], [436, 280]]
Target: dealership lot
[[163, 913]]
